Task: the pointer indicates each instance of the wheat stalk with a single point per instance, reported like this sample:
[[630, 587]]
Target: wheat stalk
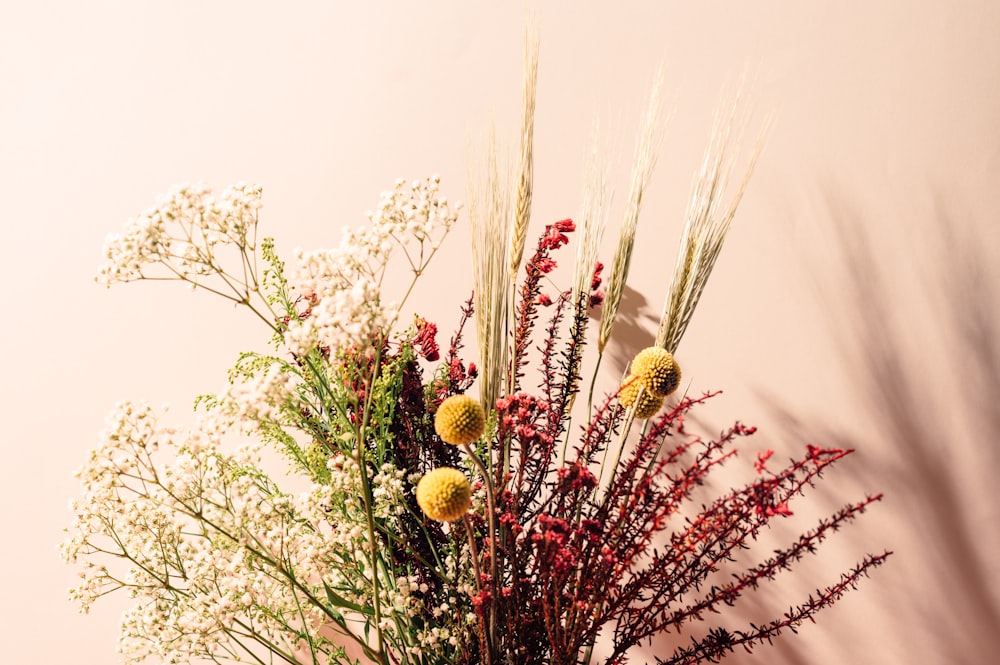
[[642, 169], [522, 197], [706, 222], [491, 222], [593, 220], [596, 199], [522, 206]]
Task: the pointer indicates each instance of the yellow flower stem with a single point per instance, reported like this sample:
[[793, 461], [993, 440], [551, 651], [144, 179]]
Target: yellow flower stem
[[659, 447], [474, 554], [626, 427], [490, 522]]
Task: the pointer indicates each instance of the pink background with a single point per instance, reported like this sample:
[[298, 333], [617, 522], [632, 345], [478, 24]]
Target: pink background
[[886, 140]]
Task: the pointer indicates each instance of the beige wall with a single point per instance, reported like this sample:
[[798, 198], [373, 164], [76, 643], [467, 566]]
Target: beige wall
[[886, 125]]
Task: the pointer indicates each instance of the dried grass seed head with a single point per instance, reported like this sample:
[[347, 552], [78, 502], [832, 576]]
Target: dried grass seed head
[[490, 214], [708, 216], [642, 170]]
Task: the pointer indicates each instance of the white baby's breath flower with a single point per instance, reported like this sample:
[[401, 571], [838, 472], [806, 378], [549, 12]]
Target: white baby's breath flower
[[389, 492], [251, 402], [211, 540], [350, 317], [181, 233], [346, 308]]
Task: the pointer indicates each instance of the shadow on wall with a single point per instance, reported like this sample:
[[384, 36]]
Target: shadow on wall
[[769, 600], [633, 323], [921, 343]]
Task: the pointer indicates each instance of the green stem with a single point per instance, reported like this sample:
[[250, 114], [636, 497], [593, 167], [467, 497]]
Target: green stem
[[593, 382], [626, 428], [262, 554], [474, 554], [270, 646], [305, 631], [491, 523], [366, 494]]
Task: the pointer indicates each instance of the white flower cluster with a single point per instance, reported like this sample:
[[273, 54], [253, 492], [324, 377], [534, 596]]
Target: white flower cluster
[[389, 492], [388, 488], [182, 232], [435, 642], [211, 543], [342, 319], [412, 211], [342, 284], [213, 547], [253, 401]]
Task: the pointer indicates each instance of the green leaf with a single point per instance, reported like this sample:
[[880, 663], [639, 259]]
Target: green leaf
[[339, 601]]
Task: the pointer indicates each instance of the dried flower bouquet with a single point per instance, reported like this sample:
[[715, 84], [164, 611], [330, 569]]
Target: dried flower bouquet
[[436, 527]]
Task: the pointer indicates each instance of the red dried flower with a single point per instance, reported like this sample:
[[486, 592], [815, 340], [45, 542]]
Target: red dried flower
[[761, 464], [595, 282], [426, 339], [545, 265], [555, 234]]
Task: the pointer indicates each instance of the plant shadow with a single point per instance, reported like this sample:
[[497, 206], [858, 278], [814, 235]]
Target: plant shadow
[[921, 345]]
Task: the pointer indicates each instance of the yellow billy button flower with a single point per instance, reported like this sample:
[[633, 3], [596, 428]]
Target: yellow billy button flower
[[460, 420], [658, 371], [648, 404], [444, 494]]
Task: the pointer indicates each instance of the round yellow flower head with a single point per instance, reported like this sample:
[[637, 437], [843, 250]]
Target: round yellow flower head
[[444, 494], [459, 420], [658, 370], [647, 406]]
